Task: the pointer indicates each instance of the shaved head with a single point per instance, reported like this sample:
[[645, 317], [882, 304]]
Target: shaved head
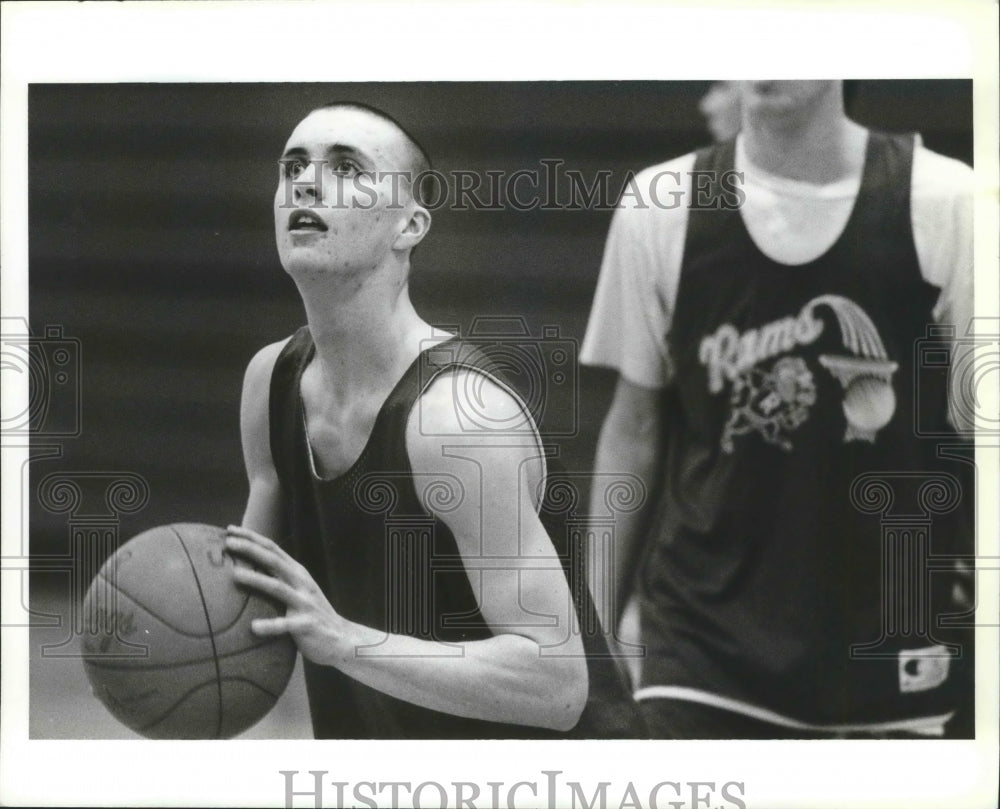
[[419, 163]]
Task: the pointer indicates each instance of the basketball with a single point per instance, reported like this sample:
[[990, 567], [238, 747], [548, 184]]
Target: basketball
[[167, 644], [869, 404]]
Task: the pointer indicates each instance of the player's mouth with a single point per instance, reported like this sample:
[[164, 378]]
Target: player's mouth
[[305, 221]]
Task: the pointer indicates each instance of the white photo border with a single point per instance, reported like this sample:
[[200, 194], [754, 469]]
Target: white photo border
[[372, 41]]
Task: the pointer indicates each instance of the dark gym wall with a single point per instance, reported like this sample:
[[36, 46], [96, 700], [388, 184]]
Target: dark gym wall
[[151, 242]]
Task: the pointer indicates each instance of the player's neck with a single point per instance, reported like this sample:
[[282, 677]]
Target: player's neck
[[365, 337], [824, 148]]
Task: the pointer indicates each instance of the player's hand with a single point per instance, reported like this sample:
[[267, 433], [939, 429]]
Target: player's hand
[[316, 627]]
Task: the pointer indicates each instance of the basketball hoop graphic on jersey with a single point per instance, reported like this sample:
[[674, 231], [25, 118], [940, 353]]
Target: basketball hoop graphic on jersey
[[866, 374], [773, 402]]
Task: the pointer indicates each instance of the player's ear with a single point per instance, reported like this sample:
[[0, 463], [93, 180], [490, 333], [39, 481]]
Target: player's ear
[[414, 228]]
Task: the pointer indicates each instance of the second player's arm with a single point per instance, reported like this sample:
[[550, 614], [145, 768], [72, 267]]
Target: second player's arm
[[628, 447]]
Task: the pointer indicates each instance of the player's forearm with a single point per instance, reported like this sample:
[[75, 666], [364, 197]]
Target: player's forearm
[[500, 679], [626, 450]]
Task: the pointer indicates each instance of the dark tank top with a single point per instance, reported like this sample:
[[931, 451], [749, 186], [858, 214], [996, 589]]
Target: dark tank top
[[768, 580], [385, 562]]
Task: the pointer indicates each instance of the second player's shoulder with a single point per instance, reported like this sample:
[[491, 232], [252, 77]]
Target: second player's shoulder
[[937, 176], [656, 191], [941, 213]]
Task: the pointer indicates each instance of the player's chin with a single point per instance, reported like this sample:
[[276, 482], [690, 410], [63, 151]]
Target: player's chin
[[300, 261], [770, 103]]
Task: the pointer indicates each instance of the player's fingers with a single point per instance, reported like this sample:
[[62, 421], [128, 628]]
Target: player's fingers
[[270, 626], [247, 549], [258, 539], [283, 567], [269, 585], [271, 557], [259, 554], [277, 559], [278, 626]]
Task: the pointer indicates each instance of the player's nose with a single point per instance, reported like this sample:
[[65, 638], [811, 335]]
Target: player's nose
[[307, 184]]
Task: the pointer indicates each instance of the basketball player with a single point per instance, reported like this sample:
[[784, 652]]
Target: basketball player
[[764, 333], [403, 537], [720, 107]]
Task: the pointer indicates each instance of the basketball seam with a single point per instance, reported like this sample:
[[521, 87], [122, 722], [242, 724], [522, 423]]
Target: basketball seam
[[95, 659], [218, 733], [156, 615], [211, 636], [243, 609]]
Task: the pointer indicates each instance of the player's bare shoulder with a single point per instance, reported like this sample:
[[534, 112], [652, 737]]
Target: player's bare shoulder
[[254, 402], [467, 421], [258, 372], [472, 403]]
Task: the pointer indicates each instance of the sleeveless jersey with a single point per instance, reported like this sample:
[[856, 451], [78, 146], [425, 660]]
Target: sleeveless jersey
[[384, 561], [769, 586]]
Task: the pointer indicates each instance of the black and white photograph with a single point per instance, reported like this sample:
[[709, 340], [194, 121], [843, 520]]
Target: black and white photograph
[[563, 438]]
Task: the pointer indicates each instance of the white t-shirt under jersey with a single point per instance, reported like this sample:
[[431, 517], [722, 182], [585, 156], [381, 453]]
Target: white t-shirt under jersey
[[791, 222]]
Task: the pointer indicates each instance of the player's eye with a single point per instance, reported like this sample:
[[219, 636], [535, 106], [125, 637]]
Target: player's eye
[[344, 167], [292, 167]]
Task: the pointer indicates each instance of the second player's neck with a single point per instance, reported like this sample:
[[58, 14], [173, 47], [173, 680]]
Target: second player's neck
[[824, 149]]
